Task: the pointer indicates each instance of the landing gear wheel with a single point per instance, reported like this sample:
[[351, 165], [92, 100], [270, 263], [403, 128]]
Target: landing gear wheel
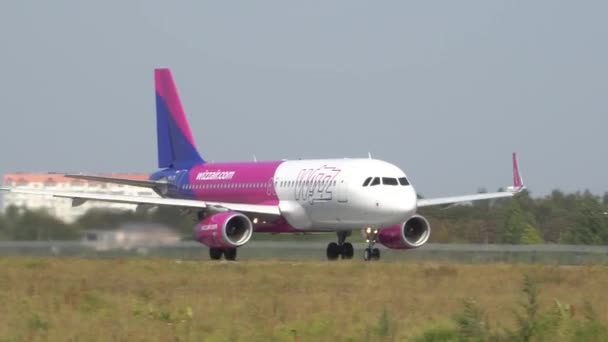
[[375, 254], [347, 251], [371, 236], [215, 253], [333, 251], [367, 254], [230, 254]]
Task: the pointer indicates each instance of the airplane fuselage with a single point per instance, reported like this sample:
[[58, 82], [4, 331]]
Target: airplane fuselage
[[312, 195]]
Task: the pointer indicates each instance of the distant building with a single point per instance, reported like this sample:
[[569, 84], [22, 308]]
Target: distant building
[[62, 207], [131, 236]]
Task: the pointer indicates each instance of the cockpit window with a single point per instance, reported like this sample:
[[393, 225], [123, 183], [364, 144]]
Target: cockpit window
[[366, 183], [376, 181], [389, 181], [403, 181]]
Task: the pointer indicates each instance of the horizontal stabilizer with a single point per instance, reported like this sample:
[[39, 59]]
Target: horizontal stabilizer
[[116, 180]]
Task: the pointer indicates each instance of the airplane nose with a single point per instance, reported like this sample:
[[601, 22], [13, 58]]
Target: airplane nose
[[406, 208], [401, 205]]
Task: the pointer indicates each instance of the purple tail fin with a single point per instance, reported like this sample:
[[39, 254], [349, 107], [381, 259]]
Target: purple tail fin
[[176, 147]]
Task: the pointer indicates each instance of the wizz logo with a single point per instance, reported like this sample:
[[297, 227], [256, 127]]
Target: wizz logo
[[316, 185]]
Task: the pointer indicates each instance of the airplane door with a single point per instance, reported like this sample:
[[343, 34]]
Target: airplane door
[[342, 191]]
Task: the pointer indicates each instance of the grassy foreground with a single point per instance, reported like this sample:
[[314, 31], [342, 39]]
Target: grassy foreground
[[70, 299]]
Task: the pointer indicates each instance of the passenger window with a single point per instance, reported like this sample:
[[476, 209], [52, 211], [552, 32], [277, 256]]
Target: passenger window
[[366, 183], [403, 181], [389, 181], [376, 181]]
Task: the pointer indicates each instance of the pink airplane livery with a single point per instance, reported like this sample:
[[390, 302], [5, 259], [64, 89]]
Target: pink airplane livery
[[234, 200]]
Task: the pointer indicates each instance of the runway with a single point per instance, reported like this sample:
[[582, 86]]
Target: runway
[[466, 253]]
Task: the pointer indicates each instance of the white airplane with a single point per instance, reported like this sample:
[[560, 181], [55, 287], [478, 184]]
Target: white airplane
[[234, 200]]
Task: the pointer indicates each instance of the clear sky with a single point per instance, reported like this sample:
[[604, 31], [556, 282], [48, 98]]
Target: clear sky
[[444, 89]]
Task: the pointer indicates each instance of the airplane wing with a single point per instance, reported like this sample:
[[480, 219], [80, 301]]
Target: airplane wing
[[78, 198], [517, 187], [427, 202]]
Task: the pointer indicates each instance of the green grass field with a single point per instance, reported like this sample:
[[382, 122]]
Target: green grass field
[[131, 299]]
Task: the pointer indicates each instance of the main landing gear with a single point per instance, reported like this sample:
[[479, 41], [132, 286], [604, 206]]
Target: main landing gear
[[342, 248], [371, 253], [228, 253]]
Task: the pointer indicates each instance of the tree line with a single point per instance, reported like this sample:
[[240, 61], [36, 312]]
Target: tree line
[[573, 218]]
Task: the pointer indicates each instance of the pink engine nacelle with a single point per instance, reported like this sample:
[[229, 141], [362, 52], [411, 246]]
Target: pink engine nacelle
[[224, 230], [413, 233]]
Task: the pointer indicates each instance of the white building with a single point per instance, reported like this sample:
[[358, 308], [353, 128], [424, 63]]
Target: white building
[[62, 207]]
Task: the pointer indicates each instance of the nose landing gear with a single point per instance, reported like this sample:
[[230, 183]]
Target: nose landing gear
[[342, 248], [371, 236]]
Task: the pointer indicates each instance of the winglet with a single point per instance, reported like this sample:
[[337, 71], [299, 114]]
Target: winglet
[[518, 184]]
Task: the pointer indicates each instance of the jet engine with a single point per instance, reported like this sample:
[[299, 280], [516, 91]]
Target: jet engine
[[224, 230], [411, 234]]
